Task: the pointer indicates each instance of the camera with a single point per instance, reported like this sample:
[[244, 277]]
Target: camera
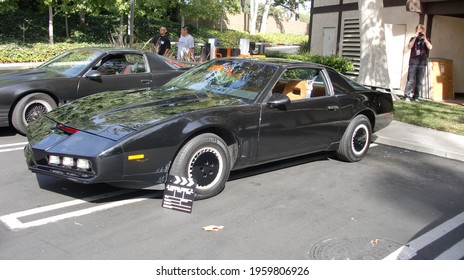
[[421, 36]]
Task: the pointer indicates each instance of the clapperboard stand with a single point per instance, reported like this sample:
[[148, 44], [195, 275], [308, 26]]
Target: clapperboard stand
[[179, 194]]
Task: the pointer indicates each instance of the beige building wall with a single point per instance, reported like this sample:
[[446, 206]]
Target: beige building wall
[[326, 3], [236, 22], [400, 27], [448, 43], [321, 21]]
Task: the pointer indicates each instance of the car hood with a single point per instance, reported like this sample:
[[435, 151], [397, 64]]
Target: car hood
[[118, 113], [18, 76]]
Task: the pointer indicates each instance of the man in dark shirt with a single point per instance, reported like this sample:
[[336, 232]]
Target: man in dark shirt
[[420, 47], [161, 42]]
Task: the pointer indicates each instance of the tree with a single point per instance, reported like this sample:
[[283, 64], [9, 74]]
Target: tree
[[373, 68], [267, 6], [290, 5], [209, 9], [8, 5], [253, 15]]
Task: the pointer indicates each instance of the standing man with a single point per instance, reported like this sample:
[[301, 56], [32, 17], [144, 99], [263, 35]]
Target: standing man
[[161, 42], [420, 47], [186, 45]]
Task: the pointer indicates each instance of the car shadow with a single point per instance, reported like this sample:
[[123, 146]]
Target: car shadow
[[281, 164], [85, 191], [8, 131]]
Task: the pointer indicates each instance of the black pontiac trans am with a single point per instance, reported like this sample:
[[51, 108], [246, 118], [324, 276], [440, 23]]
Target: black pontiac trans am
[[223, 115], [26, 94]]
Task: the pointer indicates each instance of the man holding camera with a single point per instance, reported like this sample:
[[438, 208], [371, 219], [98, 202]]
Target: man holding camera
[[419, 46]]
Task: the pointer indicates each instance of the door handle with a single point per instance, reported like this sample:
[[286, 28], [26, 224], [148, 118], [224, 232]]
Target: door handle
[[332, 108], [146, 82]]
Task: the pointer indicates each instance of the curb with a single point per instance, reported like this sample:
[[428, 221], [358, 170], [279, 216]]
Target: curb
[[419, 148]]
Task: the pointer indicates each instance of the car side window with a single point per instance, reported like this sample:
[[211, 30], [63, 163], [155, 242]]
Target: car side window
[[136, 63], [301, 84], [115, 64]]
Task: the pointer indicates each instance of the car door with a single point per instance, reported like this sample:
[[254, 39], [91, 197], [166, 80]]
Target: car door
[[118, 72], [309, 123]]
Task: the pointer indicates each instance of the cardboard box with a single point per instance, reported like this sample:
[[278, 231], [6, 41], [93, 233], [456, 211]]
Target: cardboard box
[[440, 79]]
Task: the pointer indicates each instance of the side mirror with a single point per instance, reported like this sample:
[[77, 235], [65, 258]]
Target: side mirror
[[94, 75], [278, 100]]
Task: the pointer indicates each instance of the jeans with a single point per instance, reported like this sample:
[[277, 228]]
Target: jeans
[[415, 77]]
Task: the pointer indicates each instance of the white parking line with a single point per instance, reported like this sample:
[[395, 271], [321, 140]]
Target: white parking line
[[410, 250], [21, 144], [12, 220]]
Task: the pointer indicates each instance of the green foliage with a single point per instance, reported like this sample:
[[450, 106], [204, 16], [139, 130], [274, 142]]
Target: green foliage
[[230, 38], [431, 114], [7, 5], [39, 52], [336, 62], [209, 9]]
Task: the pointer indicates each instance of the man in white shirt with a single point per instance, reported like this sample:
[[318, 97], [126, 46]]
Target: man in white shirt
[[185, 46]]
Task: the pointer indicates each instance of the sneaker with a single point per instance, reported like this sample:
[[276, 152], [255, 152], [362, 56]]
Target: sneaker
[[416, 99], [407, 100]]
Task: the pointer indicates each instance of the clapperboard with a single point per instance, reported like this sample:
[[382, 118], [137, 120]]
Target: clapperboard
[[179, 194]]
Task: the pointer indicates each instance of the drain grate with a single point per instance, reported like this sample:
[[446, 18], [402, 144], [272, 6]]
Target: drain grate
[[358, 248]]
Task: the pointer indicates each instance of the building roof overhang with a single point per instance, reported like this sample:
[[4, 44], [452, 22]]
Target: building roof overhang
[[454, 8]]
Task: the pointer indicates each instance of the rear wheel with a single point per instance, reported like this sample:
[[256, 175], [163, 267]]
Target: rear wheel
[[30, 108], [356, 140], [206, 160]]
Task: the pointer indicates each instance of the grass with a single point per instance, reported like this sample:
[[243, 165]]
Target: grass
[[431, 114]]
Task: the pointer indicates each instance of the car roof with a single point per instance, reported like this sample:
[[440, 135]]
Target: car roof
[[110, 49], [283, 62]]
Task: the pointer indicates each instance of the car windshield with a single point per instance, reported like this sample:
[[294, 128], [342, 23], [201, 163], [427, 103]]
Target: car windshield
[[71, 63], [243, 79]]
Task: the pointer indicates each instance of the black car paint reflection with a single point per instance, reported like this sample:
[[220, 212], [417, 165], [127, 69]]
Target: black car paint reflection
[[26, 94]]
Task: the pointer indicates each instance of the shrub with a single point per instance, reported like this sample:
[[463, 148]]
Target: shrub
[[336, 62], [39, 52]]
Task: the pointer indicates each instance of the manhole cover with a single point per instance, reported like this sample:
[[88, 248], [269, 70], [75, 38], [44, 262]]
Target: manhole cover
[[358, 248]]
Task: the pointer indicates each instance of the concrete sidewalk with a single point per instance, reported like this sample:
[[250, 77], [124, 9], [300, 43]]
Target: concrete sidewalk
[[422, 139]]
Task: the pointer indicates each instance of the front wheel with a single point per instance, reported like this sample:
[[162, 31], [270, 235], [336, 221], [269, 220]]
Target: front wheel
[[206, 160], [356, 140], [30, 108]]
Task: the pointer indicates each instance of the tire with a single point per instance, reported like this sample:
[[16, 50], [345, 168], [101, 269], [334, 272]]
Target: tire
[[356, 140], [29, 108], [206, 160]]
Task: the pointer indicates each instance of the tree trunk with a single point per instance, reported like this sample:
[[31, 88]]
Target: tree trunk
[[253, 15], [267, 6], [50, 24], [373, 68], [121, 32], [66, 25], [130, 29], [82, 19]]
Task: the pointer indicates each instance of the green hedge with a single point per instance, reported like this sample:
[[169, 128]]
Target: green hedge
[[39, 52]]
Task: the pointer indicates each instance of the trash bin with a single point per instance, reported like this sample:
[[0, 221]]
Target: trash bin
[[244, 44], [261, 47], [235, 52], [252, 47], [205, 51], [214, 43]]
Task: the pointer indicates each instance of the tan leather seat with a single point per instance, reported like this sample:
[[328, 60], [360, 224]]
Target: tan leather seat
[[127, 70], [296, 89]]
